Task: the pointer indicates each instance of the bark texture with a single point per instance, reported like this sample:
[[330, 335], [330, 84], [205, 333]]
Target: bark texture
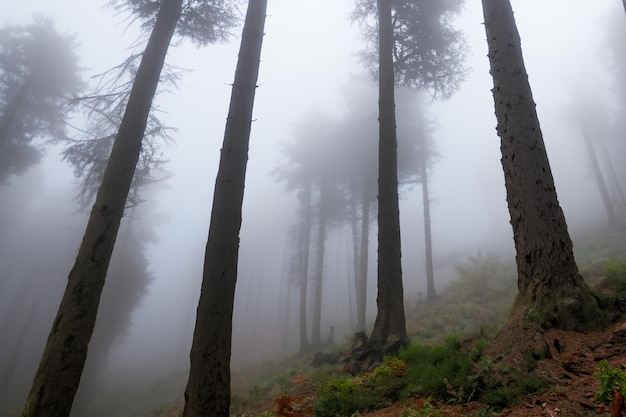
[[552, 294], [208, 388], [61, 366], [390, 325]]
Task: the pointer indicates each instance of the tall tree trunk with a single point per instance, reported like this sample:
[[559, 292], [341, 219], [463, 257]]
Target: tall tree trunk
[[431, 293], [552, 293], [305, 245], [61, 366], [316, 338], [614, 182], [597, 172], [389, 327], [208, 387], [354, 227], [361, 299]]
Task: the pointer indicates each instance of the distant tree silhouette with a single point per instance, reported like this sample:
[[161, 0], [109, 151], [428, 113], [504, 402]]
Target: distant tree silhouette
[[39, 74]]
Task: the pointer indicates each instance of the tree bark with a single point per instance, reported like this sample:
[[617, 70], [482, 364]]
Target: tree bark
[[389, 327], [208, 387], [61, 366], [552, 294]]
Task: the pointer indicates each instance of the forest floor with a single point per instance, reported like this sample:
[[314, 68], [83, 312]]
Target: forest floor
[[570, 366]]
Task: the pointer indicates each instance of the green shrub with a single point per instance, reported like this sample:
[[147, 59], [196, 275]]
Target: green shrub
[[441, 371], [611, 380], [344, 397], [498, 394]]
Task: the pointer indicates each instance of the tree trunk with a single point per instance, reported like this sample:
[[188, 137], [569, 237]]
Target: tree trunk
[[614, 182], [316, 338], [431, 293], [354, 227], [208, 387], [597, 172], [389, 327], [58, 376], [361, 299], [305, 244], [552, 294]]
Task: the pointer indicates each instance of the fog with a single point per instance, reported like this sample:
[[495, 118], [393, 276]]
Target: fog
[[309, 61]]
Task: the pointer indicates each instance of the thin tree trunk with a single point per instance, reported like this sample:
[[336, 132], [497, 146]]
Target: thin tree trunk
[[389, 327], [551, 291], [614, 181], [305, 244], [208, 387], [316, 338], [61, 366], [361, 299], [431, 293], [597, 172], [354, 227]]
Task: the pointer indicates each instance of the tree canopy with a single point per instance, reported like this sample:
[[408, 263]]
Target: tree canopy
[[428, 52]]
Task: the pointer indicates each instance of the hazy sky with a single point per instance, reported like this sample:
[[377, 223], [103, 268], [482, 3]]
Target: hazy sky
[[308, 53]]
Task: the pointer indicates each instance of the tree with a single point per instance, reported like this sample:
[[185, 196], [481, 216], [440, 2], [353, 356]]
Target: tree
[[62, 362], [208, 387], [38, 75], [428, 52], [552, 294], [426, 154], [389, 332], [407, 56], [299, 176], [314, 167], [102, 109]]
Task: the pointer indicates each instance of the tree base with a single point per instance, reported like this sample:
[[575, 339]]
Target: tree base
[[370, 354], [572, 309]]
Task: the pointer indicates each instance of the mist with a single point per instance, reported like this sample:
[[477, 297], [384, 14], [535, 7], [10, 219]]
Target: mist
[[147, 314]]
